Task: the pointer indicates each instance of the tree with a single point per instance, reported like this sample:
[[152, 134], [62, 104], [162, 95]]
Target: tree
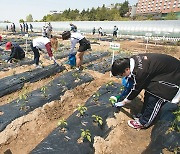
[[29, 18], [21, 21], [124, 9], [171, 16]]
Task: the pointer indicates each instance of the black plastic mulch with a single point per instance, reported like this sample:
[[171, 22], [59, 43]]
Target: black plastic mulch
[[15, 82], [59, 55], [52, 91], [105, 65], [162, 137], [94, 56], [86, 59], [67, 142], [7, 66]]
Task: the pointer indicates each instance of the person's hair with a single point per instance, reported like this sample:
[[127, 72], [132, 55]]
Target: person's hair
[[54, 42], [119, 66]]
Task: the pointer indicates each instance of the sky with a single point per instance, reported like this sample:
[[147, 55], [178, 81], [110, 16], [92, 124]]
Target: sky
[[13, 10]]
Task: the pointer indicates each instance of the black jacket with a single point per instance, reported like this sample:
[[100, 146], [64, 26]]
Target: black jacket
[[158, 74], [16, 52]]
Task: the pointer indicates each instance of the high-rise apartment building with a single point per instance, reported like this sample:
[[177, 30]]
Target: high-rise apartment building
[[157, 6]]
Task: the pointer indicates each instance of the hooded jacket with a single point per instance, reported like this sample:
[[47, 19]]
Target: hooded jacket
[[158, 74]]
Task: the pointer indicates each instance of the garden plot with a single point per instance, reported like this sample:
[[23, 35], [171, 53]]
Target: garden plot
[[76, 134], [104, 65], [52, 91], [15, 82]]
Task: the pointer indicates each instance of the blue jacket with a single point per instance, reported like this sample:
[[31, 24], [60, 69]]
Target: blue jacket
[[128, 84]]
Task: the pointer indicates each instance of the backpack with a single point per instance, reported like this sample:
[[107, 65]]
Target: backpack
[[66, 35]]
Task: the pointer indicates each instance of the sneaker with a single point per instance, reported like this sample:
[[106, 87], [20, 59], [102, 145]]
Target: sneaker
[[135, 124], [77, 68], [38, 66]]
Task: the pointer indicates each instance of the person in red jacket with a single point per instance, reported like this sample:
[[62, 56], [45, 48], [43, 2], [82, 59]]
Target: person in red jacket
[[158, 75], [43, 43]]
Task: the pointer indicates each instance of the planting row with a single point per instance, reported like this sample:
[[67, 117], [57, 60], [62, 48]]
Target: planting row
[[52, 91], [15, 82], [76, 134]]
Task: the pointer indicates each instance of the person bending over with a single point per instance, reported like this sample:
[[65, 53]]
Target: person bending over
[[16, 52], [84, 45], [43, 43], [158, 74]]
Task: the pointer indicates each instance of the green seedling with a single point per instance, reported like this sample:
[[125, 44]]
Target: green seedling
[[85, 134], [62, 123], [110, 83], [62, 82], [44, 90], [22, 78], [22, 97], [81, 109], [76, 75], [96, 96], [175, 126], [98, 119]]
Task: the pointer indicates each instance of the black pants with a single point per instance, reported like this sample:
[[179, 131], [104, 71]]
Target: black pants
[[151, 107], [115, 33], [36, 54], [19, 55]]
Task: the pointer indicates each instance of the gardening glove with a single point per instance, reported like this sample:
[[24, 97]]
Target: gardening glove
[[113, 99], [119, 104]]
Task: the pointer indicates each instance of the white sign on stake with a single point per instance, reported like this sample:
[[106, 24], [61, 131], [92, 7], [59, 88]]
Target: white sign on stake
[[115, 46]]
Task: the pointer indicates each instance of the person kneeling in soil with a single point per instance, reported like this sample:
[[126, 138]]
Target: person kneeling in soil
[[17, 52], [43, 43], [158, 74], [84, 45]]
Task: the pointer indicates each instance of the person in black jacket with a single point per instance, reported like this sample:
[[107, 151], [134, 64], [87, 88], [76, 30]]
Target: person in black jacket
[[16, 51], [158, 74]]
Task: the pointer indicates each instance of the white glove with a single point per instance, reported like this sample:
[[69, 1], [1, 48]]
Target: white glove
[[119, 104]]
